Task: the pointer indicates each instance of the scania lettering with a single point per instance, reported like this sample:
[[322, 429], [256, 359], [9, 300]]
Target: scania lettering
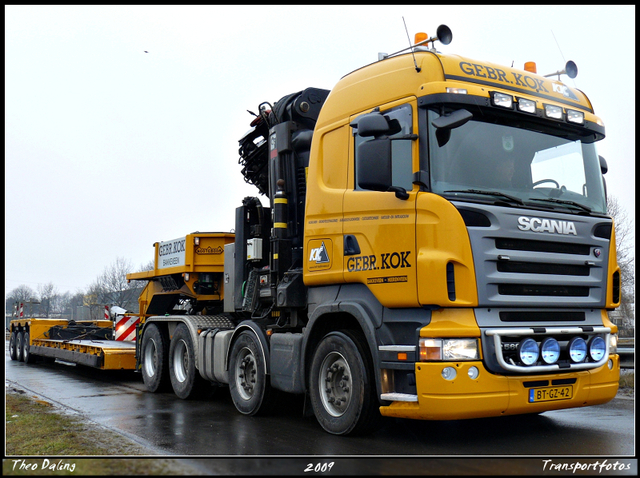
[[536, 224], [432, 243]]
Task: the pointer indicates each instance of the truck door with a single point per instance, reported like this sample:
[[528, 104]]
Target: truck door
[[379, 226]]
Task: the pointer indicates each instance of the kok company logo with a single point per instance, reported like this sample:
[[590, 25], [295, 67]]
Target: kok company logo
[[320, 252]]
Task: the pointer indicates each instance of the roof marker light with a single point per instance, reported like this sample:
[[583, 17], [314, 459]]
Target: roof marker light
[[531, 67]]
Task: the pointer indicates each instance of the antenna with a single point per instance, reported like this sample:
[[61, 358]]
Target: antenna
[[570, 68], [412, 53]]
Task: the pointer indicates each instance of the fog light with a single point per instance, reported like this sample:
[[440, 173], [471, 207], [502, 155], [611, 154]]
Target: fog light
[[550, 350], [528, 351], [577, 349], [597, 348], [473, 373], [449, 373], [610, 364]]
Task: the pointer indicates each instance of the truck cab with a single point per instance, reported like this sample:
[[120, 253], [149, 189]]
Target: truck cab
[[461, 208]]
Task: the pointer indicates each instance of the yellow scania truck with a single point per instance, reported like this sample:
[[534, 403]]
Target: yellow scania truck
[[435, 246]]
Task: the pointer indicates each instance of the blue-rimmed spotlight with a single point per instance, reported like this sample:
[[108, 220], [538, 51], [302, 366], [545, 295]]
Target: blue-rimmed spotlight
[[550, 350], [597, 348], [577, 349], [528, 351]]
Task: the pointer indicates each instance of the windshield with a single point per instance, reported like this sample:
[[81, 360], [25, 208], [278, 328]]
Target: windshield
[[522, 166]]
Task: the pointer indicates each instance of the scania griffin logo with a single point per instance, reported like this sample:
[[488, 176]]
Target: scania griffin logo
[[550, 226]]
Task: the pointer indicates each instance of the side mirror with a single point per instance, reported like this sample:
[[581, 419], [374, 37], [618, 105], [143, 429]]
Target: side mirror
[[375, 124], [374, 165], [454, 120], [444, 124], [603, 165]]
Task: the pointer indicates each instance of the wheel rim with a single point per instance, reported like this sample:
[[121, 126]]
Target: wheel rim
[[245, 373], [180, 361], [335, 384], [150, 358]]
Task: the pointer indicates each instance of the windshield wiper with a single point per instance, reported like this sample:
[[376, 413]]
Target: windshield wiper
[[489, 193], [564, 201]]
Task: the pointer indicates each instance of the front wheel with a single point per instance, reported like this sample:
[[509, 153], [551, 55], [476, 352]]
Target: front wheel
[[185, 379], [155, 361], [341, 385], [248, 381]]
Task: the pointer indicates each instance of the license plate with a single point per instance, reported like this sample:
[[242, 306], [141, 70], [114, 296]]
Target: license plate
[[550, 394]]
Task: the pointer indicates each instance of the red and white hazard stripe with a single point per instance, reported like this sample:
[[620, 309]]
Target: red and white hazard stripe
[[21, 310], [106, 312], [126, 328]]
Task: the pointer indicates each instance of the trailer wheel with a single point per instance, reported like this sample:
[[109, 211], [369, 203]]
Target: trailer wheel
[[250, 392], [185, 378], [13, 351], [341, 385], [155, 360], [19, 340], [26, 352]]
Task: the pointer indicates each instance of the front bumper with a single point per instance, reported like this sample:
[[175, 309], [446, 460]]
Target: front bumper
[[491, 395]]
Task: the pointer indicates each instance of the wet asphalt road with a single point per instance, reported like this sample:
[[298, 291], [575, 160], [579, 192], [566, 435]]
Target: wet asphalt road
[[212, 427]]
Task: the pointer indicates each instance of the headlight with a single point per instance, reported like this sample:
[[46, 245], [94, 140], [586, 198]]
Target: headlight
[[449, 349], [528, 351], [577, 349], [550, 350], [597, 348]]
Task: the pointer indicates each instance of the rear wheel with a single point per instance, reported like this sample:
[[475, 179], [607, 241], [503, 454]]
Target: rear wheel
[[26, 351], [155, 358], [341, 385], [248, 382], [13, 351], [185, 379], [19, 340]]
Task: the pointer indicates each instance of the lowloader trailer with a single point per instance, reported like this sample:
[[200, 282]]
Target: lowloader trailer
[[84, 343], [436, 246]]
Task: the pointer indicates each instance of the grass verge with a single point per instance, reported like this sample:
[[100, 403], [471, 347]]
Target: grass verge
[[35, 433]]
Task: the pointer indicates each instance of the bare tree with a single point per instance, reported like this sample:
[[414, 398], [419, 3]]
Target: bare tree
[[21, 294], [626, 260], [47, 293], [112, 287], [147, 267]]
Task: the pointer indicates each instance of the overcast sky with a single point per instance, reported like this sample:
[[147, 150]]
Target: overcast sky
[[109, 149]]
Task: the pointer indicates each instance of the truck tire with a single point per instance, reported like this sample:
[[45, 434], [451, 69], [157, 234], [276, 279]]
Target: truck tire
[[155, 359], [26, 351], [248, 382], [341, 385], [19, 339], [185, 378], [13, 350]]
